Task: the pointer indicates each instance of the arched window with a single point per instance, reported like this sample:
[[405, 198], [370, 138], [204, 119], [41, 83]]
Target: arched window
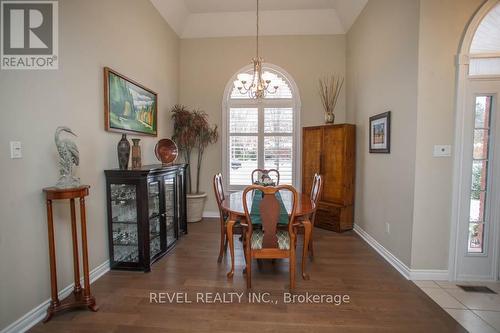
[[261, 133], [485, 47]]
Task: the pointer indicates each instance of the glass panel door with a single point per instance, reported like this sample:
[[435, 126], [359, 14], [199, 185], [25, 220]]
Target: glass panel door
[[479, 211], [170, 218], [480, 171], [154, 218], [124, 217]]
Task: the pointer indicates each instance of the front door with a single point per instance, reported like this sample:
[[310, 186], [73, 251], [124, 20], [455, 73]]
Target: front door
[[480, 195]]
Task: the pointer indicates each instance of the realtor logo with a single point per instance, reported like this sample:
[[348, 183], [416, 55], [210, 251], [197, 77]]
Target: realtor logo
[[29, 34]]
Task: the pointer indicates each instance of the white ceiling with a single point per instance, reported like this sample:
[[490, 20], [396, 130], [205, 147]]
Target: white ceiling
[[225, 18]]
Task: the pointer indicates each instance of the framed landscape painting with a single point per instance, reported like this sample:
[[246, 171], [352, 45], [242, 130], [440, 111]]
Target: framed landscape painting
[[380, 133], [129, 106]]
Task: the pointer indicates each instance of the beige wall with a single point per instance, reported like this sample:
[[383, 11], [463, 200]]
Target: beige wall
[[387, 55], [393, 45], [207, 65], [382, 49], [127, 35], [442, 25]]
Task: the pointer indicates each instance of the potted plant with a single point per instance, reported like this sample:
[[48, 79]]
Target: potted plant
[[329, 91], [193, 134]]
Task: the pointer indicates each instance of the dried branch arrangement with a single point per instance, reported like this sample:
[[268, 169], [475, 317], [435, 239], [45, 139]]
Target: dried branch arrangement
[[192, 133], [329, 91]]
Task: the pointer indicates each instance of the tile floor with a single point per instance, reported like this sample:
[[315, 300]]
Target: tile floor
[[477, 312]]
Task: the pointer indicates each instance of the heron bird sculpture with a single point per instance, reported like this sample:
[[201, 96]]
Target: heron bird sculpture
[[68, 158]]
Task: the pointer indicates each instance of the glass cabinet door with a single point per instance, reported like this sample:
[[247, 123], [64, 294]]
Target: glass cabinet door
[[154, 218], [170, 211], [124, 219]]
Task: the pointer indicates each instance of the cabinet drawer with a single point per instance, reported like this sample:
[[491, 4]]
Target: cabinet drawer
[[328, 217], [336, 218]]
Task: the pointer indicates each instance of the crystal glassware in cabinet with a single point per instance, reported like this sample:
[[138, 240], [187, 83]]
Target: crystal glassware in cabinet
[[124, 223]]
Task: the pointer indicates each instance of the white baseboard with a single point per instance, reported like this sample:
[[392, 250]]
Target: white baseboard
[[478, 278], [386, 254], [210, 215], [37, 314], [401, 267], [429, 274]]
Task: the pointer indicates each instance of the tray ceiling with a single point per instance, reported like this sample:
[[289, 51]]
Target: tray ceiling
[[226, 18]]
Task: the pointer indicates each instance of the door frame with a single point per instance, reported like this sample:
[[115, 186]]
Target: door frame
[[461, 131]]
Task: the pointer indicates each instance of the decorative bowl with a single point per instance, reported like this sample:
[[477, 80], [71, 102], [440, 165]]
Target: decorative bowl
[[166, 151]]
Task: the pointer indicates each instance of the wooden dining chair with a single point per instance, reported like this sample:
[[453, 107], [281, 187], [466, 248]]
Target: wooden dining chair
[[315, 195], [269, 241], [257, 175], [317, 188], [219, 197]]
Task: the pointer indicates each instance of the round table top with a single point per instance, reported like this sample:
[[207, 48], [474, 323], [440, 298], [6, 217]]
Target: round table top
[[56, 193], [233, 203]]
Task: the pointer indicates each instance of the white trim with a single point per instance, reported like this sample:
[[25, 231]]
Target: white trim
[[38, 313], [401, 267], [457, 205], [470, 277], [484, 55], [474, 24], [429, 274], [386, 254], [210, 215], [297, 106]]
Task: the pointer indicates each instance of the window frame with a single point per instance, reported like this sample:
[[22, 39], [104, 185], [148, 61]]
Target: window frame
[[482, 54], [472, 56], [294, 103], [487, 219]]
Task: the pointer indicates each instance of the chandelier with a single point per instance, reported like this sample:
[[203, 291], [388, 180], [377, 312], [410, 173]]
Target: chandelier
[[255, 85]]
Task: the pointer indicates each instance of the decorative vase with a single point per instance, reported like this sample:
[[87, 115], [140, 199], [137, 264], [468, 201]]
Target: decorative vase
[[329, 117], [195, 207], [123, 152], [136, 154]]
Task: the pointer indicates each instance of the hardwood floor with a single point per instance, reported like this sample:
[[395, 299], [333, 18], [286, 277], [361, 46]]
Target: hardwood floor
[[381, 300]]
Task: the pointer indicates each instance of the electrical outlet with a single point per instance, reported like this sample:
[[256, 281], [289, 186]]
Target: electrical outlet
[[16, 149], [387, 227]]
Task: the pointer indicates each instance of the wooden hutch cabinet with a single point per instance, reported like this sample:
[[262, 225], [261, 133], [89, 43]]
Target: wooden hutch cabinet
[[330, 150], [146, 213]]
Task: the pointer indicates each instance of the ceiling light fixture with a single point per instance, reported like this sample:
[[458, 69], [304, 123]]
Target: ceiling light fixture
[[256, 85]]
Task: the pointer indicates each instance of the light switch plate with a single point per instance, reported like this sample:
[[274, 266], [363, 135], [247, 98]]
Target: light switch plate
[[442, 151], [16, 149]]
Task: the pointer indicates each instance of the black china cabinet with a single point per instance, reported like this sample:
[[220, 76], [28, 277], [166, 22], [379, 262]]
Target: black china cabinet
[[146, 213]]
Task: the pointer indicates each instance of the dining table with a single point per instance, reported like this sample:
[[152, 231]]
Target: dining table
[[233, 205]]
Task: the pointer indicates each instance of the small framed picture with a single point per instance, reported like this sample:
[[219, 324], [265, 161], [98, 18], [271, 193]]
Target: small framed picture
[[380, 133]]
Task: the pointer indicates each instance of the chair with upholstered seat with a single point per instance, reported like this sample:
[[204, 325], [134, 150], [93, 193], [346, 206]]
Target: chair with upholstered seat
[[265, 240], [259, 174]]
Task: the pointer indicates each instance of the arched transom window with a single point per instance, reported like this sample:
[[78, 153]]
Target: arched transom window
[[261, 133], [485, 46]]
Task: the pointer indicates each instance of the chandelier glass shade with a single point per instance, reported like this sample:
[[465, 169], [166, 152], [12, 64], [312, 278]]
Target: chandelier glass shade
[[256, 85]]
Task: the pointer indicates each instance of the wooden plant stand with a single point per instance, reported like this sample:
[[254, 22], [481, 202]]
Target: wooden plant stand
[[80, 297]]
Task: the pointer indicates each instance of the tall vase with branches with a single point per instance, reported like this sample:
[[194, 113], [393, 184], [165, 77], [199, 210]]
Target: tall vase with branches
[[329, 91], [205, 136], [184, 136], [193, 134]]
